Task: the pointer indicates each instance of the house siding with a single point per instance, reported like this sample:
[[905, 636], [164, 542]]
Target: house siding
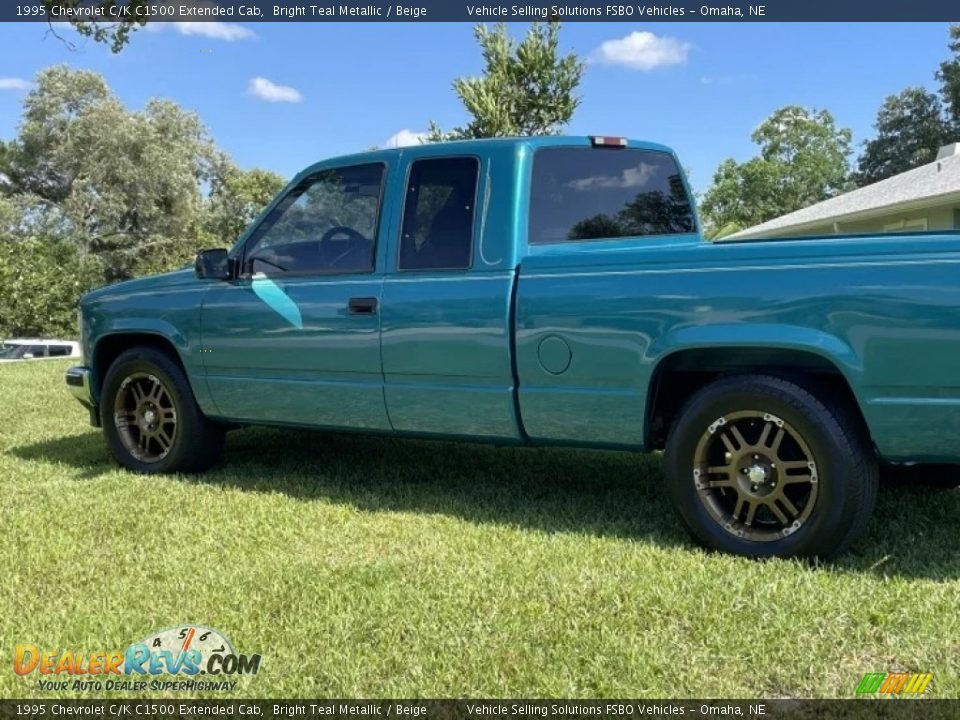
[[946, 217]]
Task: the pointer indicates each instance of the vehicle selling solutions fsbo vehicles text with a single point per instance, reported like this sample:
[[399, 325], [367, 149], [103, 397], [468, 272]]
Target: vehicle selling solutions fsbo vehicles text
[[609, 11]]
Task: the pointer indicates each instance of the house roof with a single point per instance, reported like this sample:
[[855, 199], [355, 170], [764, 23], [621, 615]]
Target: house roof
[[926, 185]]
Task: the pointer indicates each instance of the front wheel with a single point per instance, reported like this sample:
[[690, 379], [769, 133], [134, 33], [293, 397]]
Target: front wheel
[[150, 419], [758, 466]]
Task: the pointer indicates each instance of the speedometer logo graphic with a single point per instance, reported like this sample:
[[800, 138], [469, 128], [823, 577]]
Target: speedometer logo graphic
[[190, 650]]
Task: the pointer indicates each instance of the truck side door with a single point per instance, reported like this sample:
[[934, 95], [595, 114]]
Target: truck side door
[[446, 309], [296, 338]]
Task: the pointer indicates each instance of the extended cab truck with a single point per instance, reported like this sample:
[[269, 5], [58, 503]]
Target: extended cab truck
[[549, 291]]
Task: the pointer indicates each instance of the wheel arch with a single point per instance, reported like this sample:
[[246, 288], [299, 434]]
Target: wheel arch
[[109, 346], [680, 373]]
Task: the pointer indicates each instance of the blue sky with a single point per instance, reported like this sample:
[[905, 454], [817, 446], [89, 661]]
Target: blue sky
[[283, 95]]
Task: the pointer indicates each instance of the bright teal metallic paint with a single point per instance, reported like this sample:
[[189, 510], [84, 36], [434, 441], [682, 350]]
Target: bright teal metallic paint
[[446, 354], [260, 367], [883, 311], [165, 306], [445, 340]]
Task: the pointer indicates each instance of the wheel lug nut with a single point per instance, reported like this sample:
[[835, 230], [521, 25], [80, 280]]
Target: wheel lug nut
[[753, 487]]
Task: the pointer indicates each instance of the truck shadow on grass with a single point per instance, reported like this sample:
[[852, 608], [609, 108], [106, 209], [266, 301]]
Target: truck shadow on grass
[[610, 494]]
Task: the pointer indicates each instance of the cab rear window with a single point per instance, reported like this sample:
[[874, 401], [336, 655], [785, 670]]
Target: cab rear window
[[604, 193]]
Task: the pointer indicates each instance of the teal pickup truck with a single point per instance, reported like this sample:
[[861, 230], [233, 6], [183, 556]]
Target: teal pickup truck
[[549, 291]]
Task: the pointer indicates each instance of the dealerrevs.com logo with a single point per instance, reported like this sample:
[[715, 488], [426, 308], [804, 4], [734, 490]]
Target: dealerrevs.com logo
[[188, 658]]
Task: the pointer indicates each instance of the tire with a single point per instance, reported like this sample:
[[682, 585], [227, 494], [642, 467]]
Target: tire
[[150, 418], [812, 490]]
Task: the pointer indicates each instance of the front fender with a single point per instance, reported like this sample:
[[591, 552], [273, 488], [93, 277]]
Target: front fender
[[112, 331], [159, 327]]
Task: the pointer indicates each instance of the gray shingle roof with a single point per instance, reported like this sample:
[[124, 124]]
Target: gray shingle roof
[[914, 187]]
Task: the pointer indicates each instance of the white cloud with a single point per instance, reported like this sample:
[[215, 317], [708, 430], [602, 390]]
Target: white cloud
[[214, 30], [271, 92], [642, 50], [403, 138], [15, 84], [630, 178]]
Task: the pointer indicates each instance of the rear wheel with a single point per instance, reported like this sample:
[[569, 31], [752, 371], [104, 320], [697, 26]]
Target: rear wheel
[[150, 419], [758, 466]]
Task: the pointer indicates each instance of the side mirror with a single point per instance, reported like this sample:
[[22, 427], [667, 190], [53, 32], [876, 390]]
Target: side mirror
[[213, 264]]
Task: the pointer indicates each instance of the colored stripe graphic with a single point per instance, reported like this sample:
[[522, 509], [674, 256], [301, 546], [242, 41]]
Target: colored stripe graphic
[[278, 301]]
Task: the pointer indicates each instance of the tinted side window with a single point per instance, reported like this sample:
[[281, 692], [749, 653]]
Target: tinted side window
[[437, 232], [59, 350], [327, 224], [592, 193]]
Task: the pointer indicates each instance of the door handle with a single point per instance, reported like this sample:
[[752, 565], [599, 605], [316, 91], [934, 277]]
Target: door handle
[[362, 306]]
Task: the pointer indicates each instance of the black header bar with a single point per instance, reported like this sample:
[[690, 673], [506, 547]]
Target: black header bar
[[255, 11], [162, 709]]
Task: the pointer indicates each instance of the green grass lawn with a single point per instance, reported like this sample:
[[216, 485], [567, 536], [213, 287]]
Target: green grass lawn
[[375, 567]]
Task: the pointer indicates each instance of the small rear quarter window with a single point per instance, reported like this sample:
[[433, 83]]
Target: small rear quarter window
[[604, 193]]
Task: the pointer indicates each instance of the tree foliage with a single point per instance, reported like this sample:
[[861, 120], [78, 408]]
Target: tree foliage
[[93, 192], [41, 275], [41, 281], [237, 197], [803, 159], [650, 213], [114, 34], [527, 88], [949, 77], [910, 128], [120, 183], [912, 125]]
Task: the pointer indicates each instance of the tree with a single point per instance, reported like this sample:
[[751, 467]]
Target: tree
[[237, 197], [913, 124], [949, 77], [526, 88], [649, 213], [92, 192], [5, 182], [115, 34], [910, 128], [802, 160], [125, 186], [41, 281], [739, 197], [61, 98]]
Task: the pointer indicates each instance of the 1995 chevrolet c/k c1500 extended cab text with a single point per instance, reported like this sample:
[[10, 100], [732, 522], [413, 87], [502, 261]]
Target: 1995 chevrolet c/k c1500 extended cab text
[[549, 291]]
